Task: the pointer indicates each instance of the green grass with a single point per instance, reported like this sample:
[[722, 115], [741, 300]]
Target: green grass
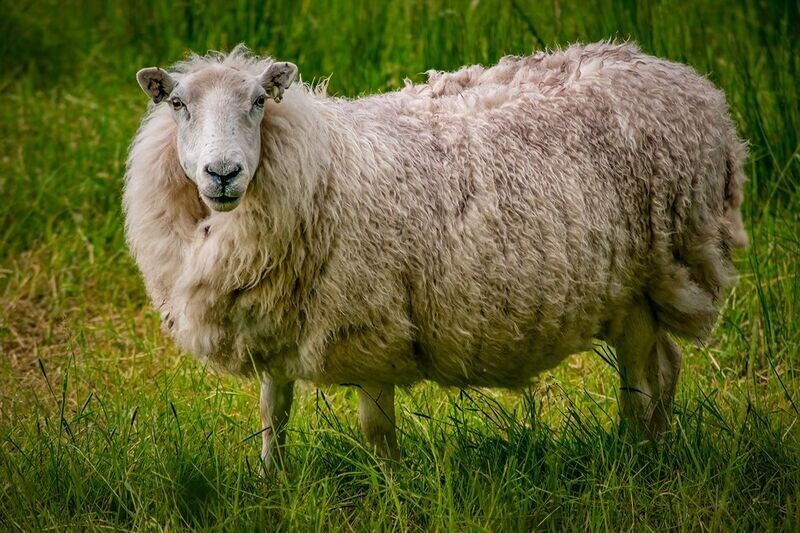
[[104, 425]]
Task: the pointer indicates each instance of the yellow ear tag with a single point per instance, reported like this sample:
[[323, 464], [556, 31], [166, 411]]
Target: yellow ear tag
[[276, 93]]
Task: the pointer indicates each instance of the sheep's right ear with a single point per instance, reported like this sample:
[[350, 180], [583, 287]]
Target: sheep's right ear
[[156, 82]]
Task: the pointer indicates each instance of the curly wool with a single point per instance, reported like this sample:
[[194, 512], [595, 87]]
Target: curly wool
[[475, 229]]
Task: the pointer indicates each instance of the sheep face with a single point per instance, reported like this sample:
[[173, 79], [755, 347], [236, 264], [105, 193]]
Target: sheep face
[[218, 112]]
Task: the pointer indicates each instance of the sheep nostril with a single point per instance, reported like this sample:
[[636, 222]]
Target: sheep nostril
[[232, 173], [222, 173]]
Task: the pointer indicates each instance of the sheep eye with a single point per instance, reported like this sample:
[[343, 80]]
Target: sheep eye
[[260, 101], [176, 103]]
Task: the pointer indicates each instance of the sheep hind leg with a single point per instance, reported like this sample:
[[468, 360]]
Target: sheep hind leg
[[649, 364], [376, 415], [669, 368], [275, 406]]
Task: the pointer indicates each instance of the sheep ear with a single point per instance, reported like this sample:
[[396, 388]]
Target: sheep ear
[[277, 78], [156, 82]]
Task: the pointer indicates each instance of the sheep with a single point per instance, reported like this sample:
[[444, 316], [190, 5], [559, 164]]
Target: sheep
[[473, 230]]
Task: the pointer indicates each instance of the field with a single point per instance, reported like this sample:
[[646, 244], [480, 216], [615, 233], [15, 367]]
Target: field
[[104, 425]]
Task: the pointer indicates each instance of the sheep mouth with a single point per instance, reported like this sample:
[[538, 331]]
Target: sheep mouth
[[222, 202]]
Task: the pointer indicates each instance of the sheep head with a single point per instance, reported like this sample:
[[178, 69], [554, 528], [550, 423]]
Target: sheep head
[[218, 111]]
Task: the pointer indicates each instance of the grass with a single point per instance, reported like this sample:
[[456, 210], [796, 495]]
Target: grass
[[104, 425]]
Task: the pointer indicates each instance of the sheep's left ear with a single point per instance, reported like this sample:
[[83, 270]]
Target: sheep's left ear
[[277, 78]]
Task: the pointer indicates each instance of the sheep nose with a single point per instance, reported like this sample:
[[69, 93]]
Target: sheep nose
[[223, 172]]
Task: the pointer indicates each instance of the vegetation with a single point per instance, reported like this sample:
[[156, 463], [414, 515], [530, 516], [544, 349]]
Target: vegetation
[[104, 425]]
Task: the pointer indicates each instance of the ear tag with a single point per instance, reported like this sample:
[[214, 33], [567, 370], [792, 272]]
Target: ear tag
[[276, 94]]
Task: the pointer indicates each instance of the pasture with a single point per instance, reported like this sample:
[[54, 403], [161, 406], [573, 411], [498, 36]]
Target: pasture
[[104, 425]]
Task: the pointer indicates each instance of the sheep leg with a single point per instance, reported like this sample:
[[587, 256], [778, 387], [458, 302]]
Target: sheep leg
[[649, 364], [376, 415], [669, 367], [275, 406]]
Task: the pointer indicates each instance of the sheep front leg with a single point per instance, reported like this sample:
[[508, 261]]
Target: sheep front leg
[[275, 406], [376, 415]]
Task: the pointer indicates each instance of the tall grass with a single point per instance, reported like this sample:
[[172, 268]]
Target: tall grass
[[103, 424]]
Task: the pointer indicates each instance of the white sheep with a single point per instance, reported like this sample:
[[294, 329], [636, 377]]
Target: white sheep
[[473, 230]]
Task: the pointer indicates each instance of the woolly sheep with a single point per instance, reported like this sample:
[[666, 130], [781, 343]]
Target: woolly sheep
[[472, 230]]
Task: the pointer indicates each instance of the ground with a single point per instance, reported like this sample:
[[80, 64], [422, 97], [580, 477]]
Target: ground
[[103, 424]]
